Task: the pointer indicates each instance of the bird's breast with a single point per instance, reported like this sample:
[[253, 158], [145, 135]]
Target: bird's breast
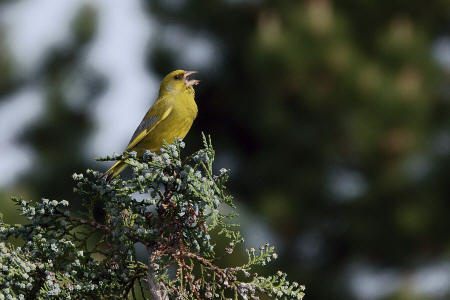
[[176, 125]]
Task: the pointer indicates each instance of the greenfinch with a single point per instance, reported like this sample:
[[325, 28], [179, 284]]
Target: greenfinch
[[170, 117]]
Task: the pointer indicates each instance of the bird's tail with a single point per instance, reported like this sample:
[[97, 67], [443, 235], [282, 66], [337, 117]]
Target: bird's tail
[[115, 170]]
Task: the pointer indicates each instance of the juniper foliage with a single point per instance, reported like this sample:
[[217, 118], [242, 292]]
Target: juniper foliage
[[171, 206]]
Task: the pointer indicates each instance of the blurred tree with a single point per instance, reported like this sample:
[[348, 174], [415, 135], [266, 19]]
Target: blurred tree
[[6, 76], [351, 94], [58, 136]]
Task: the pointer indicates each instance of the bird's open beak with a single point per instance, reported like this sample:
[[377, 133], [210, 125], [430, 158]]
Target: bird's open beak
[[190, 82]]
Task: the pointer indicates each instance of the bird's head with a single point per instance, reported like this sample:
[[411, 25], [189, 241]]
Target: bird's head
[[178, 81]]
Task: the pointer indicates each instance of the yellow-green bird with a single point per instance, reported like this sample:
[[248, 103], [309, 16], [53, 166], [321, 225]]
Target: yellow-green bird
[[170, 117]]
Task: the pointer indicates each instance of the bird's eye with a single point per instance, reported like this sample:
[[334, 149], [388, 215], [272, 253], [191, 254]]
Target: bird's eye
[[177, 77]]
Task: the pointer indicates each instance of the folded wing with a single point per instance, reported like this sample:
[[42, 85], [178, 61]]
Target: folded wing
[[156, 115]]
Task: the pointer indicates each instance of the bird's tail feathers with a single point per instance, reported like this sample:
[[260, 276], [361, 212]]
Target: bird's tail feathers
[[115, 170]]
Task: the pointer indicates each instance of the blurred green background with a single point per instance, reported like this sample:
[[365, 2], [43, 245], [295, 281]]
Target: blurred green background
[[334, 117]]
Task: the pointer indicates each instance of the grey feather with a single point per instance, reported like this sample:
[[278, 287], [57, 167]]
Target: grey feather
[[145, 124]]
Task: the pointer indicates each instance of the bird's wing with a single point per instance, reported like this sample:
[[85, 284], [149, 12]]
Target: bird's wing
[[159, 111]]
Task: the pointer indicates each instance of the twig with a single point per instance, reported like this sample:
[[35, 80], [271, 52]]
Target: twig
[[157, 290]]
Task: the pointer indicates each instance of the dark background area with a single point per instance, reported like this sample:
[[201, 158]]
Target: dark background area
[[332, 115]]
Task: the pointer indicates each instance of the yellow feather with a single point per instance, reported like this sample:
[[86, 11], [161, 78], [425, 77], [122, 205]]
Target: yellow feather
[[170, 117], [145, 131]]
